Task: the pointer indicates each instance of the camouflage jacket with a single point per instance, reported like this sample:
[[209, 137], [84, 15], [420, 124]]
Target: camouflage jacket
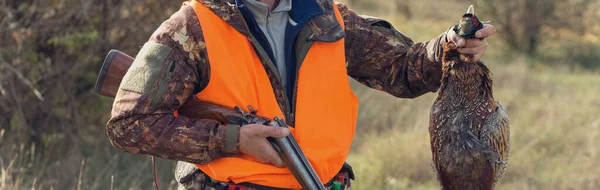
[[142, 119]]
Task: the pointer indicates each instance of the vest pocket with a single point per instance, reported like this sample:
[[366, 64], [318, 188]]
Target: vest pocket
[[163, 84]]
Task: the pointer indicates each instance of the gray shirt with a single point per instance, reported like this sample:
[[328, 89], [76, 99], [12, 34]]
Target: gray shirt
[[273, 25]]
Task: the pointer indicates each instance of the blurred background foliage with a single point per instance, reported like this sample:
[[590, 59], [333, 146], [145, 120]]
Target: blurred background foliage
[[545, 59]]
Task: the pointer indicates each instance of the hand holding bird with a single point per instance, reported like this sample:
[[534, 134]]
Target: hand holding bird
[[471, 40]]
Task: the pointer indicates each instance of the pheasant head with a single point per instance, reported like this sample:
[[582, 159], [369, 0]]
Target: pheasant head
[[469, 24]]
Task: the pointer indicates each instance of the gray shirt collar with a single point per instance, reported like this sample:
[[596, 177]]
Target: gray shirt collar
[[261, 10]]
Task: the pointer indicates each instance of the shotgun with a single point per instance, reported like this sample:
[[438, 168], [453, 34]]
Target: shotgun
[[116, 65], [112, 72]]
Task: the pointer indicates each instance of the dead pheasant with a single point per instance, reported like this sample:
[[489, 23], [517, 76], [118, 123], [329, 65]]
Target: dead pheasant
[[469, 130]]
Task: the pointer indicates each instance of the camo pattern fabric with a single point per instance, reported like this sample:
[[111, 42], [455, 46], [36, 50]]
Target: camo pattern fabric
[[191, 178], [378, 56]]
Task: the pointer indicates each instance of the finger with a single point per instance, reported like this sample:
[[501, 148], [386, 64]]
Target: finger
[[277, 132], [474, 46], [473, 50], [451, 35], [273, 157], [469, 43], [487, 31], [262, 159], [460, 42], [264, 152]]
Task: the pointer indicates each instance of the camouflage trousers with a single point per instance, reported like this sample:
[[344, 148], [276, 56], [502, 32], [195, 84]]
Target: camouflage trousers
[[190, 177]]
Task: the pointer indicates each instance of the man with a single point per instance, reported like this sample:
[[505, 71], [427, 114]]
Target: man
[[286, 58]]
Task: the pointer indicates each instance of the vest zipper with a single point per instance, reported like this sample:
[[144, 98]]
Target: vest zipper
[[271, 66], [163, 84]]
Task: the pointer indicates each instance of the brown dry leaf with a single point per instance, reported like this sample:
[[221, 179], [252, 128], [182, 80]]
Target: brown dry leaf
[[17, 36], [194, 48]]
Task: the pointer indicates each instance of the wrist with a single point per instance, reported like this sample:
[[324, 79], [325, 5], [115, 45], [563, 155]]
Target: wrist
[[231, 139]]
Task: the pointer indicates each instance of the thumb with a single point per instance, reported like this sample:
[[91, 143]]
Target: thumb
[[277, 132], [460, 42]]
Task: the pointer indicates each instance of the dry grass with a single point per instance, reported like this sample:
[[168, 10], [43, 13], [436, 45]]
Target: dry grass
[[25, 168], [554, 132]]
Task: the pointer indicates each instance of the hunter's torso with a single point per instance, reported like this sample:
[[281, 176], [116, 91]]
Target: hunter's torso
[[323, 108]]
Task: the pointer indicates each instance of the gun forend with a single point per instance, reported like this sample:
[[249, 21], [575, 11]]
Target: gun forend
[[295, 160]]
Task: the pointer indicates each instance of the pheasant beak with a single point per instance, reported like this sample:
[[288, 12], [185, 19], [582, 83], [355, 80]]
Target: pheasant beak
[[470, 10]]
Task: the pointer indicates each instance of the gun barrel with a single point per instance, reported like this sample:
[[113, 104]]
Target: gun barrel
[[295, 160]]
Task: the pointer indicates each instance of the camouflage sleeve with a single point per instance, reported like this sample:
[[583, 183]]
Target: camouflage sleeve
[[170, 68], [382, 58]]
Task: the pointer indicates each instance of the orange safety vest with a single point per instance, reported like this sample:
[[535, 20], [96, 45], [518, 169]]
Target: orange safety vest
[[326, 106]]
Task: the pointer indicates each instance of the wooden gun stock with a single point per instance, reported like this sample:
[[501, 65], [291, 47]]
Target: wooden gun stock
[[113, 70]]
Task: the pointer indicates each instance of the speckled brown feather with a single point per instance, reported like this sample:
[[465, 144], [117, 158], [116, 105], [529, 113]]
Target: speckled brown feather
[[469, 130]]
